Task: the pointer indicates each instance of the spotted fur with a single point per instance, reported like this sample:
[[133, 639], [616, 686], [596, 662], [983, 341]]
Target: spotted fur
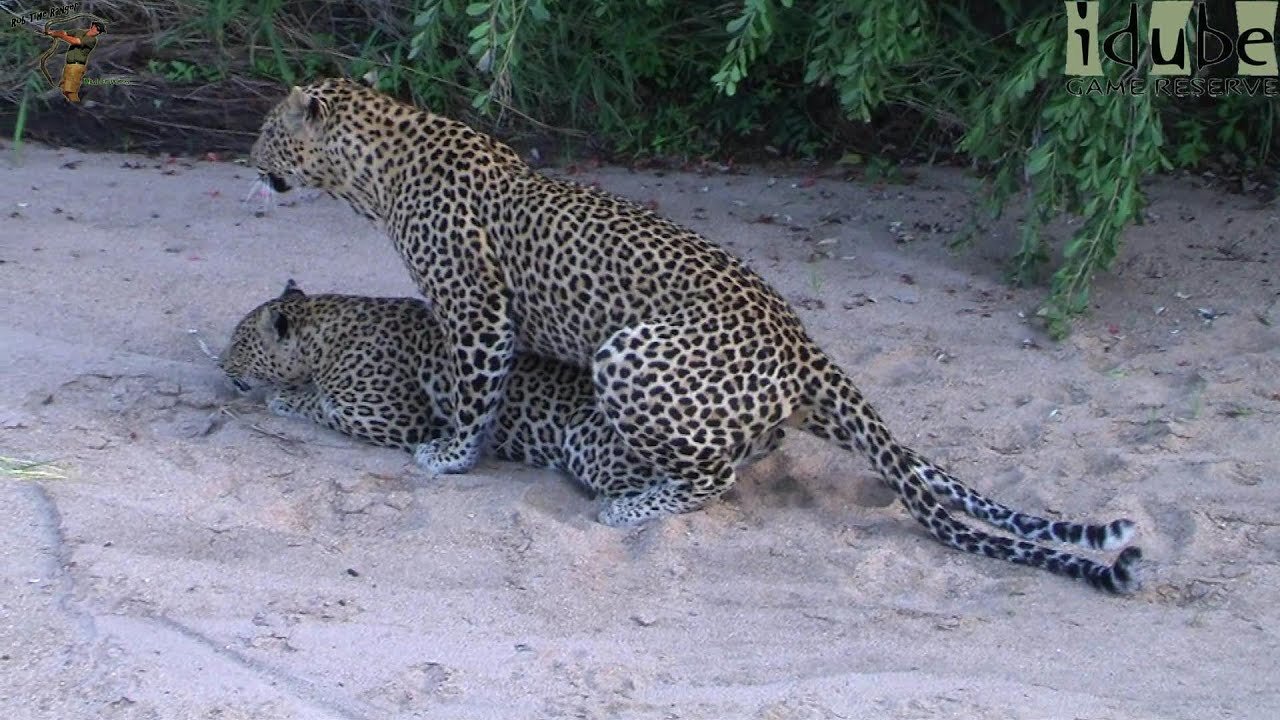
[[692, 355]]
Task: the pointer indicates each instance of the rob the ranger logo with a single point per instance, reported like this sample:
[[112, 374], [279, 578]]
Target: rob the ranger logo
[[1171, 48]]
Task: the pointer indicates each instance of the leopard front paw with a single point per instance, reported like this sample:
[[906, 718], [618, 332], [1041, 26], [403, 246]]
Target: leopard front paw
[[445, 456], [623, 512], [285, 403]]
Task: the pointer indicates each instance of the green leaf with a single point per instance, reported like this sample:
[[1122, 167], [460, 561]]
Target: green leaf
[[1039, 159], [477, 9]]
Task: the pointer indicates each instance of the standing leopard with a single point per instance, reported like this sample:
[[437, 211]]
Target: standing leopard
[[694, 357]]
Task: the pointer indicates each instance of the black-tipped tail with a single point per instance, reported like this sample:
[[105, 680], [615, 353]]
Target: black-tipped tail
[[1121, 577], [839, 413]]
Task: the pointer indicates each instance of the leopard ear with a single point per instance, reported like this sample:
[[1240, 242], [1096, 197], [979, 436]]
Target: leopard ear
[[291, 290], [273, 325], [281, 324], [303, 109]]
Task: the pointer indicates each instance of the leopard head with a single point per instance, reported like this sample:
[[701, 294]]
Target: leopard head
[[321, 136], [293, 144], [266, 345]]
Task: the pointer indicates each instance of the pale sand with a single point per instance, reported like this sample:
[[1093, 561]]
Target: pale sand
[[191, 566]]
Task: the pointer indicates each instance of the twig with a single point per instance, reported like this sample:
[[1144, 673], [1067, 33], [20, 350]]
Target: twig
[[290, 441], [198, 128], [258, 428], [204, 347]]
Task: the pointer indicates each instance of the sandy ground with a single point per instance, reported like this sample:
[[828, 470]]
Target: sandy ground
[[202, 559]]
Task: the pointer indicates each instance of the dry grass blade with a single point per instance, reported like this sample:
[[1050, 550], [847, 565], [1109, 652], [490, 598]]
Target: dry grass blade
[[30, 469]]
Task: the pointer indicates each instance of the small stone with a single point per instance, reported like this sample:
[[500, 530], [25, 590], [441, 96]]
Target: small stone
[[351, 504], [195, 427], [205, 398], [948, 623], [349, 483], [1077, 394], [97, 442], [399, 500]]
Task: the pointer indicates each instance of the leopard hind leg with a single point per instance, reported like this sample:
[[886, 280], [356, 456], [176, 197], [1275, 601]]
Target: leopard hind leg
[[595, 456], [685, 416]]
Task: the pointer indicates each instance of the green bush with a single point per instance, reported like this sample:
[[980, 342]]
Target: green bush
[[988, 75]]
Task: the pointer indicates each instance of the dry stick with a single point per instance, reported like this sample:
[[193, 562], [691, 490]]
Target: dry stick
[[204, 347], [184, 126], [226, 410]]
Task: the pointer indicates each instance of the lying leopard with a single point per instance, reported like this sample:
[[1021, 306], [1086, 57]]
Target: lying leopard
[[694, 357], [376, 369]]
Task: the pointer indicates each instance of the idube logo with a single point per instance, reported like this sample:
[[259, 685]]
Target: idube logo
[[1177, 60]]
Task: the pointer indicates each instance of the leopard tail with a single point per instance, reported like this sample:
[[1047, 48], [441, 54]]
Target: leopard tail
[[839, 413]]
